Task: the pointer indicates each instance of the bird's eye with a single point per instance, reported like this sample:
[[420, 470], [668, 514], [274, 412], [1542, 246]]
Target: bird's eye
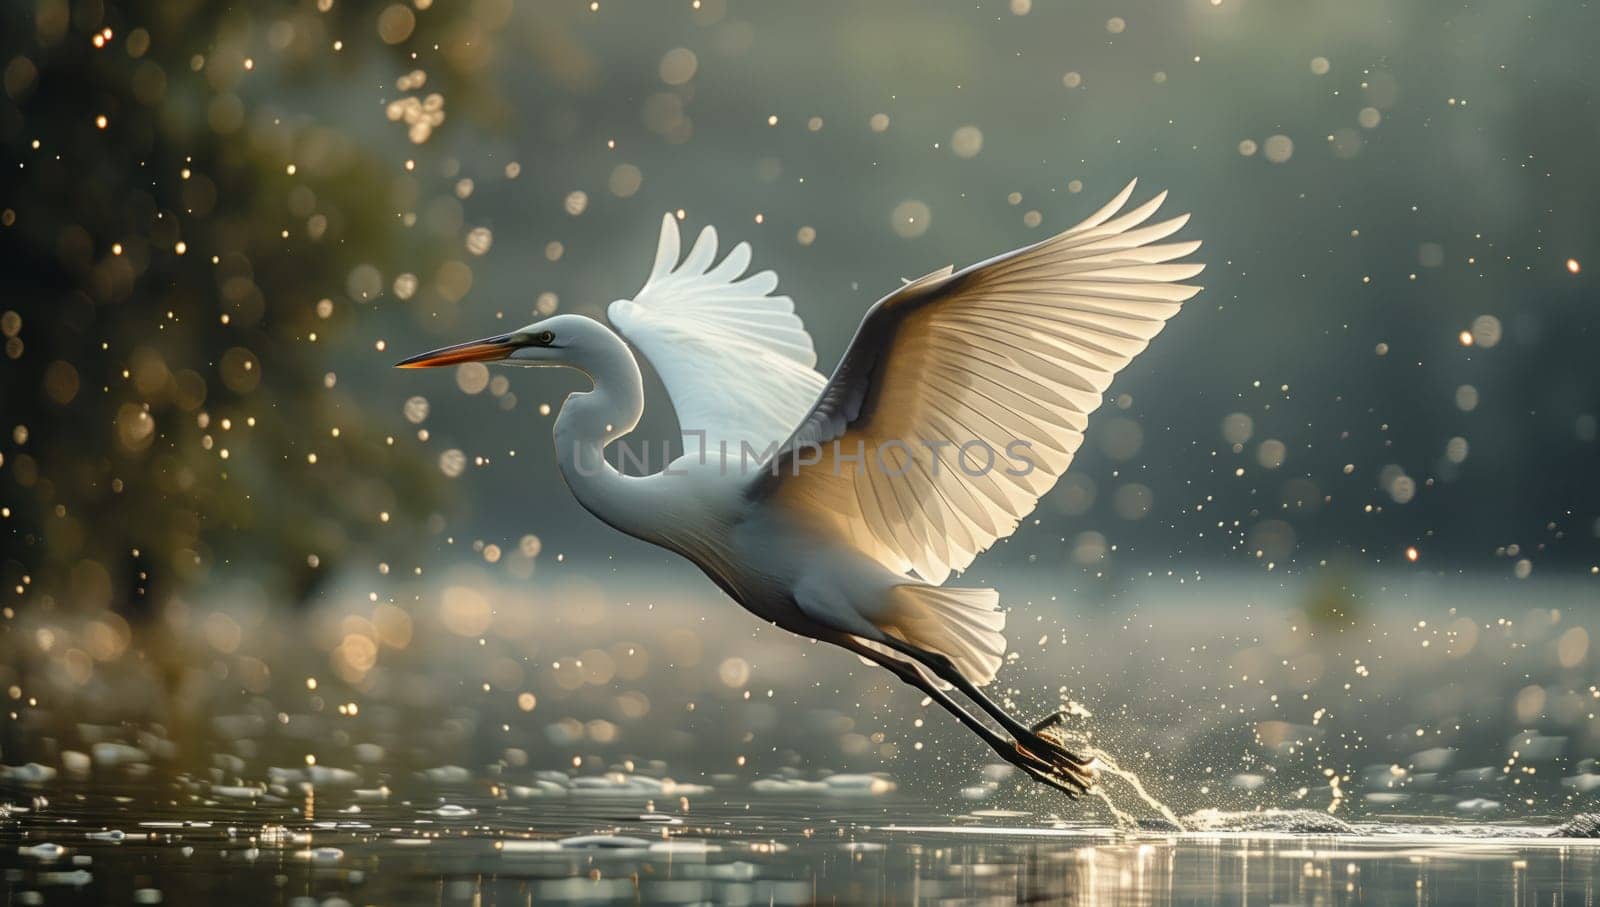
[[546, 337]]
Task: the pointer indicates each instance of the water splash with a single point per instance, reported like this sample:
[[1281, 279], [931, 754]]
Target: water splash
[[1123, 820], [1104, 764]]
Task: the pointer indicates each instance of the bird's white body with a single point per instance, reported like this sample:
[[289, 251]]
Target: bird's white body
[[836, 508], [701, 507]]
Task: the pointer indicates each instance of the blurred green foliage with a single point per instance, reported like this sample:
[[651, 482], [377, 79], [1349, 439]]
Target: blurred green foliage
[[175, 261]]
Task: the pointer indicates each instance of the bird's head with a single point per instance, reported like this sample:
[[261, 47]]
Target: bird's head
[[558, 340]]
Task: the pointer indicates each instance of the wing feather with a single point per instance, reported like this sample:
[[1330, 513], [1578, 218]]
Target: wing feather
[[736, 360], [1019, 348]]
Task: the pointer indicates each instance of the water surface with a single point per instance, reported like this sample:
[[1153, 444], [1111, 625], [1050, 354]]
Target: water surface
[[626, 839]]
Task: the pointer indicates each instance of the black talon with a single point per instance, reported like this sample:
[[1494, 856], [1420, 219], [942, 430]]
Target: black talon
[[1049, 721], [1053, 774], [1072, 787], [1053, 744], [1056, 753], [1071, 792]]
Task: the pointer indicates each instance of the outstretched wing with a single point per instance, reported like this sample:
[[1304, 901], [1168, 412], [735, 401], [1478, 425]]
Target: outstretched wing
[[736, 360], [1005, 359]]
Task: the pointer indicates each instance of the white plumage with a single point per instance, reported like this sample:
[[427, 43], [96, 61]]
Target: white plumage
[[1020, 348], [887, 476], [736, 360]]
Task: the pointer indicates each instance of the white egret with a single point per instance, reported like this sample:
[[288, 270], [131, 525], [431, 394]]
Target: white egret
[[836, 507]]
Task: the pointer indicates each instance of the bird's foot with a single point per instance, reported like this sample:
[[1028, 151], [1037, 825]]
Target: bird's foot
[[1046, 745], [1047, 742], [1054, 765], [1049, 735], [1071, 787]]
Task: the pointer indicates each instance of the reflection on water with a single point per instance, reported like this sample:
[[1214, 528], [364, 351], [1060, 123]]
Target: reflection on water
[[509, 745], [618, 839]]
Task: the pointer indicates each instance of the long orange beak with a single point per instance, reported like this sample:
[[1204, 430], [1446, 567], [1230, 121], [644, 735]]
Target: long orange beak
[[488, 350]]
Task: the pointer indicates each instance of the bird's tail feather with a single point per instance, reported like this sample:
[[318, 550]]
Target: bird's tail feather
[[964, 625]]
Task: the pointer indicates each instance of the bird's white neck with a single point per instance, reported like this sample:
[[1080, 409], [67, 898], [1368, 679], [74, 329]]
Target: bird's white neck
[[590, 421]]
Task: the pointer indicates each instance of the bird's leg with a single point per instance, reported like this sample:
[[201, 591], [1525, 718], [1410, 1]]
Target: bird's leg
[[1036, 768], [946, 670], [909, 673], [1026, 738]]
